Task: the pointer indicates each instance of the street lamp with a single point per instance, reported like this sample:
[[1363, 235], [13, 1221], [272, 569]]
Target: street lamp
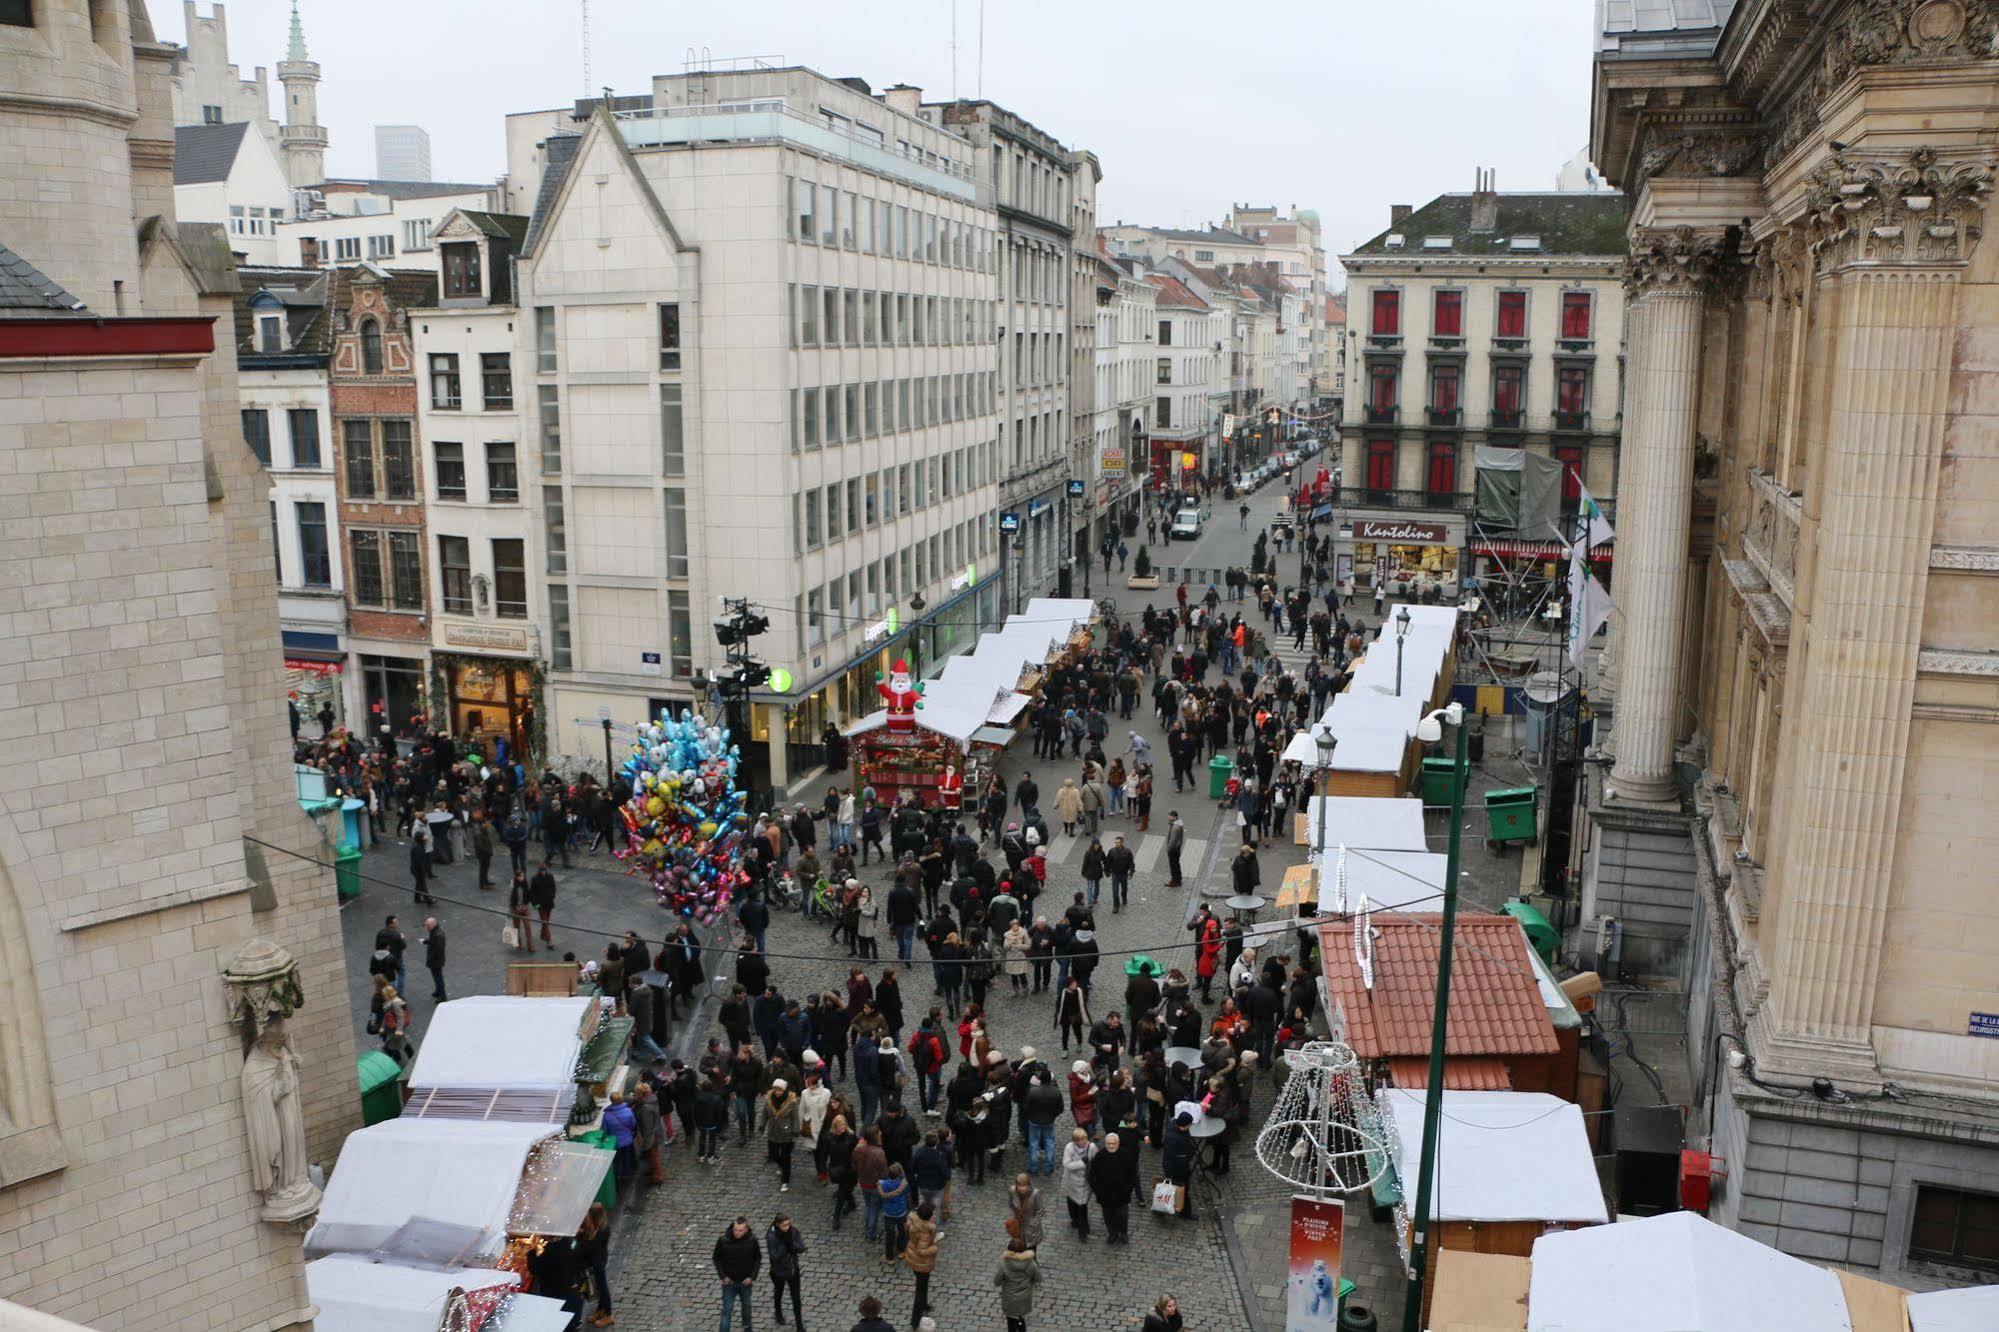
[[1325, 740], [1429, 731], [916, 605], [1401, 632]]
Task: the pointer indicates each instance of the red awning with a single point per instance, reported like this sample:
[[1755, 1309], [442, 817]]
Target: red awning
[[1536, 550]]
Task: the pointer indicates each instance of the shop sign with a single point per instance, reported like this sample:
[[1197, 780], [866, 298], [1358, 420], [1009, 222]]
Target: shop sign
[[1009, 522], [882, 628], [649, 663], [1111, 465], [969, 576], [1036, 507], [314, 667], [1189, 461], [1318, 1227], [1076, 488], [1419, 534], [485, 636], [1984, 1024]]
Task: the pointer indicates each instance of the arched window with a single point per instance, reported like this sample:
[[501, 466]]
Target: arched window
[[371, 348]]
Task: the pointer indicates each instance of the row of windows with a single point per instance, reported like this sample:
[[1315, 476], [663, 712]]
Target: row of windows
[[842, 413], [496, 381], [380, 458], [503, 477], [1036, 436], [1509, 393], [302, 424], [844, 219], [510, 576], [823, 516], [849, 602], [1447, 314], [1380, 467], [846, 317], [254, 221], [545, 359]]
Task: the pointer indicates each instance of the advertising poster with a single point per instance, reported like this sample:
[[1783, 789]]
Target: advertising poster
[[1314, 1282]]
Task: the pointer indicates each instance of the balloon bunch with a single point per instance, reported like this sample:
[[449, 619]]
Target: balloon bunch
[[685, 821]]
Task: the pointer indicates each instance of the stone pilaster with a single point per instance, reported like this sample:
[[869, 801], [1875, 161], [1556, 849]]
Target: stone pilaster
[[1671, 272], [1895, 235]]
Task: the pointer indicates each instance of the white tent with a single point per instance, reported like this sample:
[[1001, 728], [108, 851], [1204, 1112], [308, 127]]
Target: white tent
[[502, 1042], [1064, 613], [1502, 1156], [1671, 1273], [1385, 823], [1390, 880], [356, 1295], [1972, 1309], [1376, 705], [457, 1171]]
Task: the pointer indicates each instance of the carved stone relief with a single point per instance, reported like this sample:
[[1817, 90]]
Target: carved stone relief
[[1681, 259], [1913, 208]]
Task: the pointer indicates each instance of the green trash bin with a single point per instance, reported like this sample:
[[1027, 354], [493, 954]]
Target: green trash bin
[[1220, 768], [1440, 779], [381, 1092], [347, 871], [1510, 814]]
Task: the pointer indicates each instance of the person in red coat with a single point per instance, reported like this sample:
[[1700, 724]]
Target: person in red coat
[[1208, 950], [1083, 1097]]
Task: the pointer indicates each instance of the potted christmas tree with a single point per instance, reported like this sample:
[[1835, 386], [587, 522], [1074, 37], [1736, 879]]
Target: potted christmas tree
[[1141, 571]]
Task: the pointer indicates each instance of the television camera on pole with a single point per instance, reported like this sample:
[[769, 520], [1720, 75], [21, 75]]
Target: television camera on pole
[[741, 675]]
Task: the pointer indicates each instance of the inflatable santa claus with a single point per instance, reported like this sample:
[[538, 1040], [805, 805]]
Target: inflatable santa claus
[[901, 695]]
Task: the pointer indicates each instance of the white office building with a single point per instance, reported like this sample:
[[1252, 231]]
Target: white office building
[[402, 152]]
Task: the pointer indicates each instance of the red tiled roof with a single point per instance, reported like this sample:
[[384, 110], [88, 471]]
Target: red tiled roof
[[1172, 291], [1475, 1074], [1496, 1006]]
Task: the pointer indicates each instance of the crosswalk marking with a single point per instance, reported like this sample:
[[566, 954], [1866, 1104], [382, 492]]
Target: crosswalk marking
[[1148, 850], [1060, 845], [1146, 855]]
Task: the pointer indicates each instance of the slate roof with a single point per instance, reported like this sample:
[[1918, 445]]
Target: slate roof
[[1573, 222], [1216, 235], [204, 154], [1175, 293], [302, 293], [1495, 1007], [561, 150], [28, 293], [508, 226]]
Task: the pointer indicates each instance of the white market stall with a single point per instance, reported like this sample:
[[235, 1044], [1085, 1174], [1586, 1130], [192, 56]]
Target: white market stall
[[1970, 1309], [454, 1172], [354, 1294], [1379, 824], [1387, 880]]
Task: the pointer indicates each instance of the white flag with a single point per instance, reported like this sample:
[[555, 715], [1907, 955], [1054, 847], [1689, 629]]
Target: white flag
[[1589, 603], [1596, 527]]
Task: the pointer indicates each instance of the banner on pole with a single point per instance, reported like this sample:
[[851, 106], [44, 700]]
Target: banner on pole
[[1318, 1228], [1596, 527], [1589, 604]]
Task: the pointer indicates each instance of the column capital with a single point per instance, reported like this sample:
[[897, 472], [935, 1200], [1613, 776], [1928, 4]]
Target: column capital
[[1682, 260], [1909, 206]]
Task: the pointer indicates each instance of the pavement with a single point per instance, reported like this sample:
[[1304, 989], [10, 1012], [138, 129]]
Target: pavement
[[1226, 1268]]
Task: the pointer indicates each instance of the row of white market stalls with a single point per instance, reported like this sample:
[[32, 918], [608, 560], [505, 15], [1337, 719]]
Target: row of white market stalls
[[971, 710], [430, 1219]]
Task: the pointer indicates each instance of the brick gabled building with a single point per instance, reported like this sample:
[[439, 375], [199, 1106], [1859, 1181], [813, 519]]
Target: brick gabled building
[[377, 458]]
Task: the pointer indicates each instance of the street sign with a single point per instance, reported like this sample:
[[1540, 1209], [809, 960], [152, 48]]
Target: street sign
[[649, 663], [1009, 522], [1076, 488], [603, 712]]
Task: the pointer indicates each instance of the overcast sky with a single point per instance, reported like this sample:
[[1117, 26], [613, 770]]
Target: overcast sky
[[1344, 106]]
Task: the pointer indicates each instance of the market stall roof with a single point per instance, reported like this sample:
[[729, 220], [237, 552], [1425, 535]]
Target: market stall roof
[[354, 1294], [1673, 1271], [1386, 823], [1375, 707], [1370, 749], [1496, 1005], [1444, 617], [1077, 611], [1970, 1309], [1010, 705], [992, 735], [1503, 1156], [458, 1171], [503, 1042], [1391, 880]]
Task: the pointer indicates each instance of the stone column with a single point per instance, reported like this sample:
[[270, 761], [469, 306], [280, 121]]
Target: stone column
[[1670, 274], [1896, 236]]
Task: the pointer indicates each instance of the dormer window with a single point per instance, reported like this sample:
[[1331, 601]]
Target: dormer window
[[270, 334], [461, 269]]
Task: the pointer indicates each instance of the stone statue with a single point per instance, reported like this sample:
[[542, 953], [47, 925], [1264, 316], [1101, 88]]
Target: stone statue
[[275, 1120]]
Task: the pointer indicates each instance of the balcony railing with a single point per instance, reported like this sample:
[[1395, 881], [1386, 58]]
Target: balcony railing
[[1379, 415], [1572, 420], [1368, 497], [1509, 346], [1446, 416], [1384, 342], [1515, 419], [1575, 346]]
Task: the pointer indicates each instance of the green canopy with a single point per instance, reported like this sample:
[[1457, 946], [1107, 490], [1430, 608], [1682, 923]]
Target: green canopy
[[1540, 934]]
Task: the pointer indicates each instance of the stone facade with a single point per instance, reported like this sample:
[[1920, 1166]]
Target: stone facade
[[148, 825], [1813, 642]]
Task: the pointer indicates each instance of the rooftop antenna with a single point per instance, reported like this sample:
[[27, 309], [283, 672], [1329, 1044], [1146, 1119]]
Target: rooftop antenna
[[981, 93], [586, 46], [954, 50]]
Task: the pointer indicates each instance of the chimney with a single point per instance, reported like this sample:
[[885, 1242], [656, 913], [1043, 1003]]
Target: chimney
[[1485, 203], [903, 97], [1398, 214]]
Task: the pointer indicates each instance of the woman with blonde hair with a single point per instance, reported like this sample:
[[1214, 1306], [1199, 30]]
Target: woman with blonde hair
[[593, 1248]]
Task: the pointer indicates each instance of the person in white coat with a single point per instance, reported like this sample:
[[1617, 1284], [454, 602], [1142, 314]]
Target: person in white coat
[[812, 1103], [1076, 1156]]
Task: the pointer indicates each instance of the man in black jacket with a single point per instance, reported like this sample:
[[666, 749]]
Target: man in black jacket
[[738, 1259], [1119, 863], [1113, 1175], [1176, 1160], [902, 917], [433, 954]]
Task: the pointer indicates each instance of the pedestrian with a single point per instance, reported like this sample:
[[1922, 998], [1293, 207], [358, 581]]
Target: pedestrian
[[593, 1248], [1072, 1012], [1093, 869], [1176, 1161], [1176, 841], [420, 870], [433, 954], [738, 1259], [870, 1164], [554, 1269], [391, 940], [1076, 1158], [784, 1245], [622, 1125], [1017, 1277], [894, 1190], [1024, 1211], [541, 891], [1039, 1109], [1165, 1316], [651, 1129], [919, 1253], [781, 1124], [1113, 1177], [711, 1117]]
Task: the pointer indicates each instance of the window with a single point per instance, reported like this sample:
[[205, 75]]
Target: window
[[1383, 390], [398, 462], [461, 269], [454, 563], [1204, 256], [1570, 456], [450, 470], [388, 569], [1442, 477], [550, 404], [808, 316], [444, 395], [669, 336], [830, 310], [496, 380], [1955, 1226], [382, 246], [270, 334], [555, 523], [237, 215], [544, 339], [416, 234], [359, 439], [679, 635], [1448, 316], [807, 197], [1575, 316], [808, 416], [849, 218], [1512, 315], [561, 655], [832, 414], [1387, 308], [503, 474], [257, 433], [1381, 464], [673, 448], [873, 499], [1444, 381], [371, 347], [1571, 396], [854, 518], [1165, 370], [815, 616], [510, 578], [1509, 394], [1162, 413], [314, 558], [676, 533], [1166, 333], [304, 425], [850, 300], [210, 115], [815, 534], [829, 218], [347, 248]]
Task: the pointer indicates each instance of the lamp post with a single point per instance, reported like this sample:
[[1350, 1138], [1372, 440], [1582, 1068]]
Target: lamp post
[[1325, 740], [1427, 731], [916, 605], [1401, 632]]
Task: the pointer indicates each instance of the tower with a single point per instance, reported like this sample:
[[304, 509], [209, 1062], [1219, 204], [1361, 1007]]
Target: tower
[[304, 138]]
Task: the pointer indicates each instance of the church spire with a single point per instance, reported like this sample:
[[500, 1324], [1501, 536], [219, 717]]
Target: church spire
[[297, 51]]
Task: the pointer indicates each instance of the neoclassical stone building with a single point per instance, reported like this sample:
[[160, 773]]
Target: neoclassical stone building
[[1797, 818]]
